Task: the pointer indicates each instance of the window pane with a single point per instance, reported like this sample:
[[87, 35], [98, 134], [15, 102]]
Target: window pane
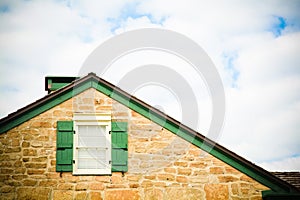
[[91, 136], [92, 158], [92, 147]]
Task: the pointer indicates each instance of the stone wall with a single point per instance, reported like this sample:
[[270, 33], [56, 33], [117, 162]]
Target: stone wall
[[161, 165]]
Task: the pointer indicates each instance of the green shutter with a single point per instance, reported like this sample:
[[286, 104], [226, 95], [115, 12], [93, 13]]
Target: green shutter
[[119, 139], [64, 144]]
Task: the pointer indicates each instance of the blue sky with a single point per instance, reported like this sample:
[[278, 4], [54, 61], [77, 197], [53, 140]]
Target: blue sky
[[255, 46]]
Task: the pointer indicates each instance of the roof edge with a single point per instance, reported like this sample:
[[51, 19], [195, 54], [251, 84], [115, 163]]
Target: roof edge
[[92, 81]]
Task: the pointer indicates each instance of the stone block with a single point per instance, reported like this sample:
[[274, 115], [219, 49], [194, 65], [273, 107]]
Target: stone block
[[227, 178], [15, 142], [198, 164], [62, 195], [33, 193], [216, 191], [160, 184], [81, 186], [246, 178], [153, 194], [116, 180], [150, 177], [5, 164], [181, 179], [181, 164], [216, 170], [86, 178], [188, 193], [147, 183], [6, 171], [5, 158], [36, 165], [65, 186], [6, 189], [48, 183], [29, 152], [96, 186], [166, 177], [184, 171], [18, 163], [20, 170], [122, 195], [29, 182], [170, 170], [133, 177], [7, 196], [35, 171], [36, 144], [134, 185], [199, 179], [104, 179], [19, 177], [256, 197], [27, 137], [95, 196], [231, 170], [81, 196], [12, 150]]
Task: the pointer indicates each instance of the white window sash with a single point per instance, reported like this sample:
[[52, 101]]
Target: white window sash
[[98, 119]]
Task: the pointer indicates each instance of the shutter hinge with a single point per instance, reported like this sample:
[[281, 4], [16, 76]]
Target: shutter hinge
[[109, 162], [73, 161], [109, 132], [74, 132]]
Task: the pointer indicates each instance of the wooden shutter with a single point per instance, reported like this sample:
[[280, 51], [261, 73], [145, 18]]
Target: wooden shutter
[[119, 140], [64, 146]]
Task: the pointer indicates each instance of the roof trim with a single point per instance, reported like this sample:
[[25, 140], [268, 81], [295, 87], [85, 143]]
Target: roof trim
[[188, 134]]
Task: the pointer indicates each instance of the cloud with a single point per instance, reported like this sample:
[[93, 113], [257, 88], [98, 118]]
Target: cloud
[[288, 164]]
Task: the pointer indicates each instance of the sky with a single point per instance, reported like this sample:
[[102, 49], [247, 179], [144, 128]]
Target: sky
[[254, 45]]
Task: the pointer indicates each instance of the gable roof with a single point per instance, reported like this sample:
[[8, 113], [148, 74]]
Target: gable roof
[[292, 178], [92, 81]]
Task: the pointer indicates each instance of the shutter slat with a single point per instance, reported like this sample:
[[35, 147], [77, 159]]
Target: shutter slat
[[63, 156], [119, 139], [64, 144], [64, 139], [119, 160], [65, 125], [119, 126]]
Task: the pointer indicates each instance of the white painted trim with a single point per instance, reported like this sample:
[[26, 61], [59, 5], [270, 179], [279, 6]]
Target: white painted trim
[[99, 119]]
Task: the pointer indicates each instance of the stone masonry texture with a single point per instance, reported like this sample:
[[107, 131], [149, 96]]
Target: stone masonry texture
[[161, 165]]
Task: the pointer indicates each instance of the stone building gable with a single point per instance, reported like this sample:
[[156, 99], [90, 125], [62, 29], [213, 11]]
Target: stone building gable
[[161, 165]]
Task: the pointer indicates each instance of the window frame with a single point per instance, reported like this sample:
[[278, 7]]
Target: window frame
[[86, 119]]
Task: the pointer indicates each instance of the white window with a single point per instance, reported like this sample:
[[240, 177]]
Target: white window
[[92, 143]]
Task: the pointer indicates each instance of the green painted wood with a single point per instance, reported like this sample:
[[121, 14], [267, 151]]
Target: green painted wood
[[271, 195], [119, 160], [65, 125], [107, 90], [64, 168], [119, 141], [64, 144], [119, 126], [64, 156], [56, 86], [64, 139]]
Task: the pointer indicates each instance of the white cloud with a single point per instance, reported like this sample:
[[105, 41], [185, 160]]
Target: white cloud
[[288, 164], [268, 100]]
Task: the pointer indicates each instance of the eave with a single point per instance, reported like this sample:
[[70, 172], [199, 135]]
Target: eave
[[92, 81]]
